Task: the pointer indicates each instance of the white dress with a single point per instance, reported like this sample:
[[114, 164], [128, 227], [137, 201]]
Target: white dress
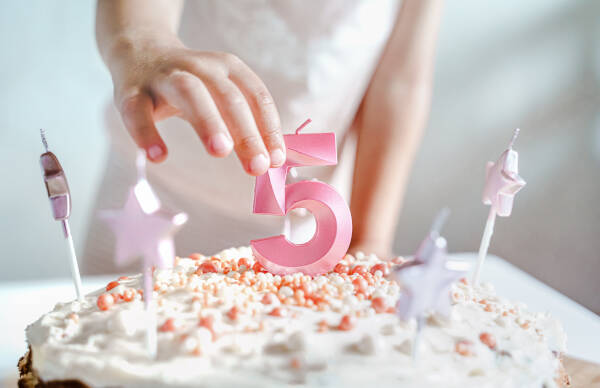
[[316, 58]]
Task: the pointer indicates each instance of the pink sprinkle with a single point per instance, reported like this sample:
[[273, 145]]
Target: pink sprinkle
[[277, 312], [379, 305], [207, 267], [360, 284], [360, 269], [347, 323], [233, 313], [169, 325], [267, 299], [112, 285], [105, 301]]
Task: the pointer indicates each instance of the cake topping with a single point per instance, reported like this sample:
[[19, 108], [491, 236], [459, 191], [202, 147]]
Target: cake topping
[[464, 348], [169, 325], [112, 285], [379, 305], [105, 301], [239, 322], [346, 323], [488, 339]]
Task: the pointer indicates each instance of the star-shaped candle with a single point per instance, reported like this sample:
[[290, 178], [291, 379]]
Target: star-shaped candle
[[426, 285], [144, 229], [502, 182], [426, 281]]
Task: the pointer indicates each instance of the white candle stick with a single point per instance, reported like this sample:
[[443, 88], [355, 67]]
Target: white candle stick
[[73, 261], [485, 244], [417, 338], [150, 312], [148, 277]]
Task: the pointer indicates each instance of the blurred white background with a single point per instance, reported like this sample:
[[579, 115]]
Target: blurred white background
[[500, 64]]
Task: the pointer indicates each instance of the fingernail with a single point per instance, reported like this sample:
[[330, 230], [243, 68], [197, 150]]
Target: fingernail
[[259, 164], [220, 143], [277, 157], [154, 152]]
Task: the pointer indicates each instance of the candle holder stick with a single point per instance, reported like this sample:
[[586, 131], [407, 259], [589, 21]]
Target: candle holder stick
[[488, 231]]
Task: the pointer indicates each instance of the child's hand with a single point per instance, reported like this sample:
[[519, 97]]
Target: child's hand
[[224, 101]]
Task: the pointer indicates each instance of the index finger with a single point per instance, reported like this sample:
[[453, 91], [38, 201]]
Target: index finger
[[264, 111]]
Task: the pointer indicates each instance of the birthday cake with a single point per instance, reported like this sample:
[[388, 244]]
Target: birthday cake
[[224, 321]]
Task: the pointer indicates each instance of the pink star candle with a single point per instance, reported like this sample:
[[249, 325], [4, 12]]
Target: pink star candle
[[143, 228], [502, 182], [332, 215], [60, 201]]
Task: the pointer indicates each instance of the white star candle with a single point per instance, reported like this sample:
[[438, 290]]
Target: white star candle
[[502, 182], [143, 228]]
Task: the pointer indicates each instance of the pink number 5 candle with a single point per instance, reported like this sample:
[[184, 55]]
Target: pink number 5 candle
[[334, 222]]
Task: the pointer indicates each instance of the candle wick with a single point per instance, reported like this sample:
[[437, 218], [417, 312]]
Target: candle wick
[[44, 141], [304, 124], [514, 137]]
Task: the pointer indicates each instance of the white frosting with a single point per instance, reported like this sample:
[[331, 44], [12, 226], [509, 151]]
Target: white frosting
[[107, 348]]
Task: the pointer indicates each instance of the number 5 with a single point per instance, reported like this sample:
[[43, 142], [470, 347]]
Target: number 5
[[334, 222]]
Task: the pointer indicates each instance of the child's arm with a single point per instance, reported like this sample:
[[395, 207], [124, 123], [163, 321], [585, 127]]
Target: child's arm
[[155, 76], [390, 123]]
